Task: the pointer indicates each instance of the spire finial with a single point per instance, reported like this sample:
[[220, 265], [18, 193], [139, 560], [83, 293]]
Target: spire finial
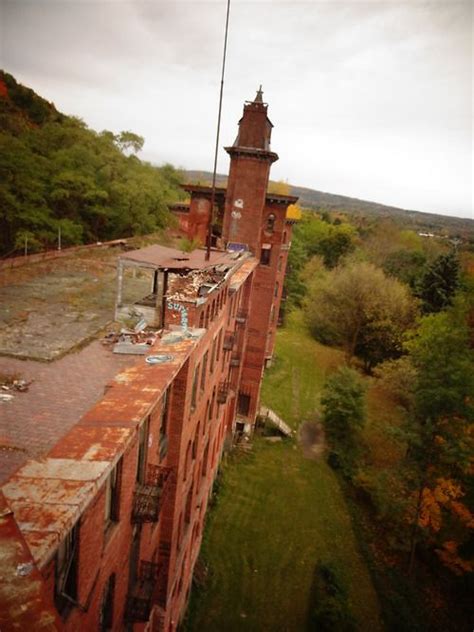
[[259, 97]]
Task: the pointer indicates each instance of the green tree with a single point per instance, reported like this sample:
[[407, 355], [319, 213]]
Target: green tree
[[343, 403], [439, 283], [362, 310]]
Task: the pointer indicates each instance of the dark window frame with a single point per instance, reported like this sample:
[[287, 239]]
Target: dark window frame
[[265, 256], [113, 486], [66, 572]]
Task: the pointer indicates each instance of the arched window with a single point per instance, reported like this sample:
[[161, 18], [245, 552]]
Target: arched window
[[196, 439], [188, 460], [270, 226], [284, 236]]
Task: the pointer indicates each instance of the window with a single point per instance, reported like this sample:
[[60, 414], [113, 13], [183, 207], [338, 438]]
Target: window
[[205, 460], [106, 615], [187, 460], [163, 443], [219, 345], [204, 369], [65, 587], [270, 226], [189, 505], [211, 408], [243, 404], [284, 236], [213, 355], [265, 255], [142, 450], [194, 389], [112, 495], [276, 289], [196, 440], [201, 320]]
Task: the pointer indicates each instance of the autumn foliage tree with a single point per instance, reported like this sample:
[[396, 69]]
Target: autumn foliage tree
[[441, 438]]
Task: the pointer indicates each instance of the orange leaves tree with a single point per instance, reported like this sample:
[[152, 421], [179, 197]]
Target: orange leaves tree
[[441, 439]]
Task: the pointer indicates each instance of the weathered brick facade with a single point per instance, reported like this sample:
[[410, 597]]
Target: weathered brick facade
[[112, 518]]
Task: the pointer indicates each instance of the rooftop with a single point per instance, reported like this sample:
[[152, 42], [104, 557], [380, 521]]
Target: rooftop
[[172, 259]]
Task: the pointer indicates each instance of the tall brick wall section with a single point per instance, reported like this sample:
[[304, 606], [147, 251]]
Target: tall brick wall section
[[246, 191]]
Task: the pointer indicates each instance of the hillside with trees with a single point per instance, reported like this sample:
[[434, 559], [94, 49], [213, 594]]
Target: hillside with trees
[[59, 176]]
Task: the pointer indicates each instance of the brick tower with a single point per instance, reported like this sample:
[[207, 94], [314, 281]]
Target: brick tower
[[256, 220], [250, 163]]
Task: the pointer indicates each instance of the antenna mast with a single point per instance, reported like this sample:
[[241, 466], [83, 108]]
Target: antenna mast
[[213, 192]]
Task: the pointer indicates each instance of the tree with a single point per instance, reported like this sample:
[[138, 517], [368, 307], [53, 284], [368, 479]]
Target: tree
[[57, 173], [129, 142], [439, 283], [360, 309], [343, 402], [441, 435]]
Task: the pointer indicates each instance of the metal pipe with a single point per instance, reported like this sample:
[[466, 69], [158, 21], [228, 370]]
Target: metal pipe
[[213, 192]]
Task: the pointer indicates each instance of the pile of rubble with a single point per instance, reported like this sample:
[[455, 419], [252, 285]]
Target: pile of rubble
[[131, 341], [9, 385]]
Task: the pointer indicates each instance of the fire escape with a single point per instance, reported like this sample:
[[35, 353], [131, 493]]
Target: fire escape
[[149, 497], [148, 593], [145, 593]]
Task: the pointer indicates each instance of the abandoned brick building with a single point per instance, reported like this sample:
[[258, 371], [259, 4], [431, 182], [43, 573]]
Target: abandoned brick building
[[104, 531]]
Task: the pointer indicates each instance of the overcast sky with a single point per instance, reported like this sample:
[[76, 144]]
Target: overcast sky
[[369, 99]]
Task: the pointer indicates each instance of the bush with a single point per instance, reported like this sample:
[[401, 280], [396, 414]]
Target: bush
[[329, 610]]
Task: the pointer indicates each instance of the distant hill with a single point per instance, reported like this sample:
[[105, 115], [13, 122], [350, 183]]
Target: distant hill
[[21, 108], [319, 200]]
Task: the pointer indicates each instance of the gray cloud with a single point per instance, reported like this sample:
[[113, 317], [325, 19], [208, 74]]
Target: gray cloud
[[371, 99]]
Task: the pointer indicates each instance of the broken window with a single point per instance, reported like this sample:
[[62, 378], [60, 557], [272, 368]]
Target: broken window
[[65, 586], [243, 404], [112, 495]]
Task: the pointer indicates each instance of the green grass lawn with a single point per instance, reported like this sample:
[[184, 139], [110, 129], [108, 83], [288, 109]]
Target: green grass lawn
[[278, 514]]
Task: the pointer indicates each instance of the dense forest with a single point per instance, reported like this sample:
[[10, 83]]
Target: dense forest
[[401, 308], [57, 176]]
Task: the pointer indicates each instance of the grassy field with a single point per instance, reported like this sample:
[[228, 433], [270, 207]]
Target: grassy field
[[278, 513]]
